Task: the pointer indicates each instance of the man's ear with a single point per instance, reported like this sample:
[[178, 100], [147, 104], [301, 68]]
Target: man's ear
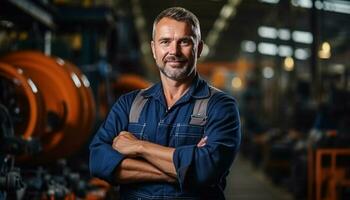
[[200, 48], [153, 50]]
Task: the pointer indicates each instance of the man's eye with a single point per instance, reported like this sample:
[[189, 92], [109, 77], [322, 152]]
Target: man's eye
[[164, 42], [185, 42]]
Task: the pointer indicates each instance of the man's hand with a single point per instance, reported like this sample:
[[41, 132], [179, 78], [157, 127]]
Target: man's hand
[[159, 156], [202, 142], [127, 144]]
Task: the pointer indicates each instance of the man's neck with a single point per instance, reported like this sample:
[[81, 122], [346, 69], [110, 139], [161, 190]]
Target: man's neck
[[174, 90]]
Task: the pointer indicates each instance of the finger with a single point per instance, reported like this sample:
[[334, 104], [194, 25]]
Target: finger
[[202, 142], [127, 134], [114, 143], [115, 140], [124, 133]]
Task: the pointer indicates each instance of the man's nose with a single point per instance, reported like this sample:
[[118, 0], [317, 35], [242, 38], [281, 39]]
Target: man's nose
[[174, 48]]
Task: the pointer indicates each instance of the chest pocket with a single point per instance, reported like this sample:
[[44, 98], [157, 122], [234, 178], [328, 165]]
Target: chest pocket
[[138, 130], [186, 134]]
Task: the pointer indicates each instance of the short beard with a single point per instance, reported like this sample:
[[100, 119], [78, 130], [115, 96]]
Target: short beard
[[178, 75]]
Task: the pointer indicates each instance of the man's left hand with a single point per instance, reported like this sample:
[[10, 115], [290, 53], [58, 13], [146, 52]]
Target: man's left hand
[[127, 144]]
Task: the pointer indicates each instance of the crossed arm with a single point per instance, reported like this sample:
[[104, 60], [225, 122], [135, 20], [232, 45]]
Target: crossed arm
[[145, 161]]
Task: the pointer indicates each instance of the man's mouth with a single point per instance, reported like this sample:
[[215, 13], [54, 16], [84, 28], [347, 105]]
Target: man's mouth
[[175, 64], [175, 59]]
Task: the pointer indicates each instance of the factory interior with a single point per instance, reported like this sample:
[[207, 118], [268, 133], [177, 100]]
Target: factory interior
[[64, 63]]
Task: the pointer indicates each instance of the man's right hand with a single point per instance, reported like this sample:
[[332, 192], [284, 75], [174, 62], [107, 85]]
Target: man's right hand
[[202, 142]]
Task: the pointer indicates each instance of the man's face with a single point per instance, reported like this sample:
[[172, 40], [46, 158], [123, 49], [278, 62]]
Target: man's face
[[175, 49]]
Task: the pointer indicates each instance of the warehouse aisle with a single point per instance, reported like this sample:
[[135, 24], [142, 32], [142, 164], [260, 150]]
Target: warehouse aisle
[[246, 183]]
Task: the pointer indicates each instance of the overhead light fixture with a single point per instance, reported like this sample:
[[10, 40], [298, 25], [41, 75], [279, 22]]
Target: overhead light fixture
[[284, 51], [270, 1], [236, 83], [288, 64], [267, 48], [227, 11], [220, 24], [301, 54], [318, 5], [302, 37], [248, 46], [339, 6], [267, 32], [268, 72], [325, 51], [284, 34], [302, 3]]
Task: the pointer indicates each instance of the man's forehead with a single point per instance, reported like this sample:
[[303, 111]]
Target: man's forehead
[[166, 21], [169, 26]]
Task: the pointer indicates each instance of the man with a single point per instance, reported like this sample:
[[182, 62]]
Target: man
[[167, 151]]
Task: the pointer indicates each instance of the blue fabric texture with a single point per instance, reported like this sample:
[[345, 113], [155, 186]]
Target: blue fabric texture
[[201, 171]]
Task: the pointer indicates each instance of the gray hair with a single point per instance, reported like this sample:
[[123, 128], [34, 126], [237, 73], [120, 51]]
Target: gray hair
[[182, 15]]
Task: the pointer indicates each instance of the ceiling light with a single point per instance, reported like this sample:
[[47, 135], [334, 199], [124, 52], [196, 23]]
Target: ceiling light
[[248, 46], [319, 5], [227, 11], [302, 37], [284, 34], [267, 32], [325, 51], [284, 51], [339, 6], [326, 46], [220, 24], [236, 83], [267, 48], [270, 1], [302, 3], [268, 72], [288, 64], [301, 54]]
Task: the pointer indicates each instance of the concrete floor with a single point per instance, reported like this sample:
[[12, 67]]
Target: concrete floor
[[246, 183]]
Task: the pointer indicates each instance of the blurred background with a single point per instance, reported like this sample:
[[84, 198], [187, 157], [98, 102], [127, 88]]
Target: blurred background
[[64, 62]]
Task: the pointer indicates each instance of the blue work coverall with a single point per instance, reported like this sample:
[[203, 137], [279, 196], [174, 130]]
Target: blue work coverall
[[201, 171]]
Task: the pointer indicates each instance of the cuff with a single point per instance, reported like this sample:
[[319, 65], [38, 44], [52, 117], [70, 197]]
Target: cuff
[[103, 165], [182, 159]]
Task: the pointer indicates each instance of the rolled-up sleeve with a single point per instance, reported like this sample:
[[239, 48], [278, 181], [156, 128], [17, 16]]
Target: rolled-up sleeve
[[206, 166], [103, 158]]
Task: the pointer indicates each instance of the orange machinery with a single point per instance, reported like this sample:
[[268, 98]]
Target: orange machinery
[[56, 100], [122, 84], [325, 179]]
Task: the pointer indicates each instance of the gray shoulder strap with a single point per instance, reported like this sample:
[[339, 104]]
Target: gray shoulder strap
[[136, 107], [199, 113]]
